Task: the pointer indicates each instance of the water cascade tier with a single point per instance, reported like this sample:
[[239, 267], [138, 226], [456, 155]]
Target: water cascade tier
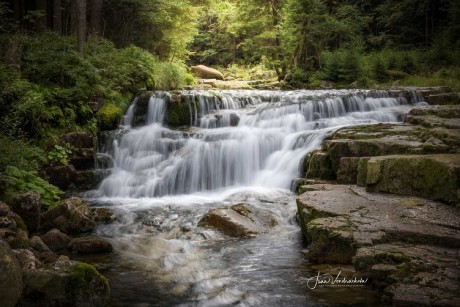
[[197, 141]]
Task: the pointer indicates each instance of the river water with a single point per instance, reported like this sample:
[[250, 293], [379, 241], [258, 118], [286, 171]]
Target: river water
[[238, 147]]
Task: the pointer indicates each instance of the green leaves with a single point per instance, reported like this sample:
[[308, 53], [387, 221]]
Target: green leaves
[[59, 154], [18, 181]]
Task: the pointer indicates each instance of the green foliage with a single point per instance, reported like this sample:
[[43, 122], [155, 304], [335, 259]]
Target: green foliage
[[20, 154], [19, 181], [59, 154], [108, 117]]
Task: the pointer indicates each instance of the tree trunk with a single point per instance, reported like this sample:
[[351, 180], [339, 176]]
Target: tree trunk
[[57, 16], [81, 24], [18, 12], [40, 23], [95, 23], [73, 16]]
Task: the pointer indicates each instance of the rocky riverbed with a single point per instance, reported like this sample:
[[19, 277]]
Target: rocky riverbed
[[386, 199]]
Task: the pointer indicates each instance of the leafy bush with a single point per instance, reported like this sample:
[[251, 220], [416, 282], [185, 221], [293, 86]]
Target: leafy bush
[[19, 153], [108, 117], [59, 154], [19, 181]]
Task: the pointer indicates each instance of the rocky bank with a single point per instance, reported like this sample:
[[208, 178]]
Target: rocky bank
[[386, 198], [36, 249]]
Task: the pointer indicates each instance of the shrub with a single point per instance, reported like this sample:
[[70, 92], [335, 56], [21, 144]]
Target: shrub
[[108, 117], [59, 154], [19, 153], [17, 181]]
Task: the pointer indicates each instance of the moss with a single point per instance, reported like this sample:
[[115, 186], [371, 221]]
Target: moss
[[108, 117], [19, 242], [83, 279], [332, 245], [19, 222], [178, 114]]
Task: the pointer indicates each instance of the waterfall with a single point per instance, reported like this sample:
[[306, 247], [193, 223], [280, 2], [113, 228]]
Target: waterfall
[[234, 138]]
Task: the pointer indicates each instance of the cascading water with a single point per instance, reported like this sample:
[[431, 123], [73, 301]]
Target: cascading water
[[238, 146]]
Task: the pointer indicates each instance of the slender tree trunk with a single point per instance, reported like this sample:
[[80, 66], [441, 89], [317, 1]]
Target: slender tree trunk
[[57, 16], [40, 23], [81, 24], [18, 12], [73, 16], [95, 23]]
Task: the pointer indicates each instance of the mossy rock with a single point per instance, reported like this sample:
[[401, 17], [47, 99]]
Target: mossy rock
[[319, 166], [141, 109], [66, 283], [109, 116], [435, 177], [178, 112]]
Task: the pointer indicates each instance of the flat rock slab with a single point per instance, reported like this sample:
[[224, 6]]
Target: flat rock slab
[[412, 274], [354, 218], [407, 245], [435, 177]]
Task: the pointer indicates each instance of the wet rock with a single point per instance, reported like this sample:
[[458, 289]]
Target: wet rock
[[56, 240], [320, 166], [66, 283], [434, 177], [4, 209], [103, 215], [19, 240], [26, 259], [11, 277], [412, 274], [73, 215], [5, 222], [37, 243], [205, 72], [83, 158], [337, 220], [227, 85], [90, 245], [79, 139], [238, 221], [348, 170], [443, 99], [178, 114], [88, 179], [62, 176], [28, 206]]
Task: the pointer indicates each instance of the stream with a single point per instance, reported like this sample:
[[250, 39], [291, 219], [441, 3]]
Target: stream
[[239, 147]]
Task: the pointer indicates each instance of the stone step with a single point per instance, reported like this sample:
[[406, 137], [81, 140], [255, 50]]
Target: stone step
[[337, 220], [435, 177]]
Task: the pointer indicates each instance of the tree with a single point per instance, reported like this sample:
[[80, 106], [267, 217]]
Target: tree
[[57, 16], [81, 24], [95, 22], [40, 22]]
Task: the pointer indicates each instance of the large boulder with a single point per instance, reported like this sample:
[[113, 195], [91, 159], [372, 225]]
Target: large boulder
[[11, 277], [56, 240], [62, 176], [28, 206], [207, 72], [238, 221], [66, 283], [79, 139], [26, 259], [73, 215], [90, 245]]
